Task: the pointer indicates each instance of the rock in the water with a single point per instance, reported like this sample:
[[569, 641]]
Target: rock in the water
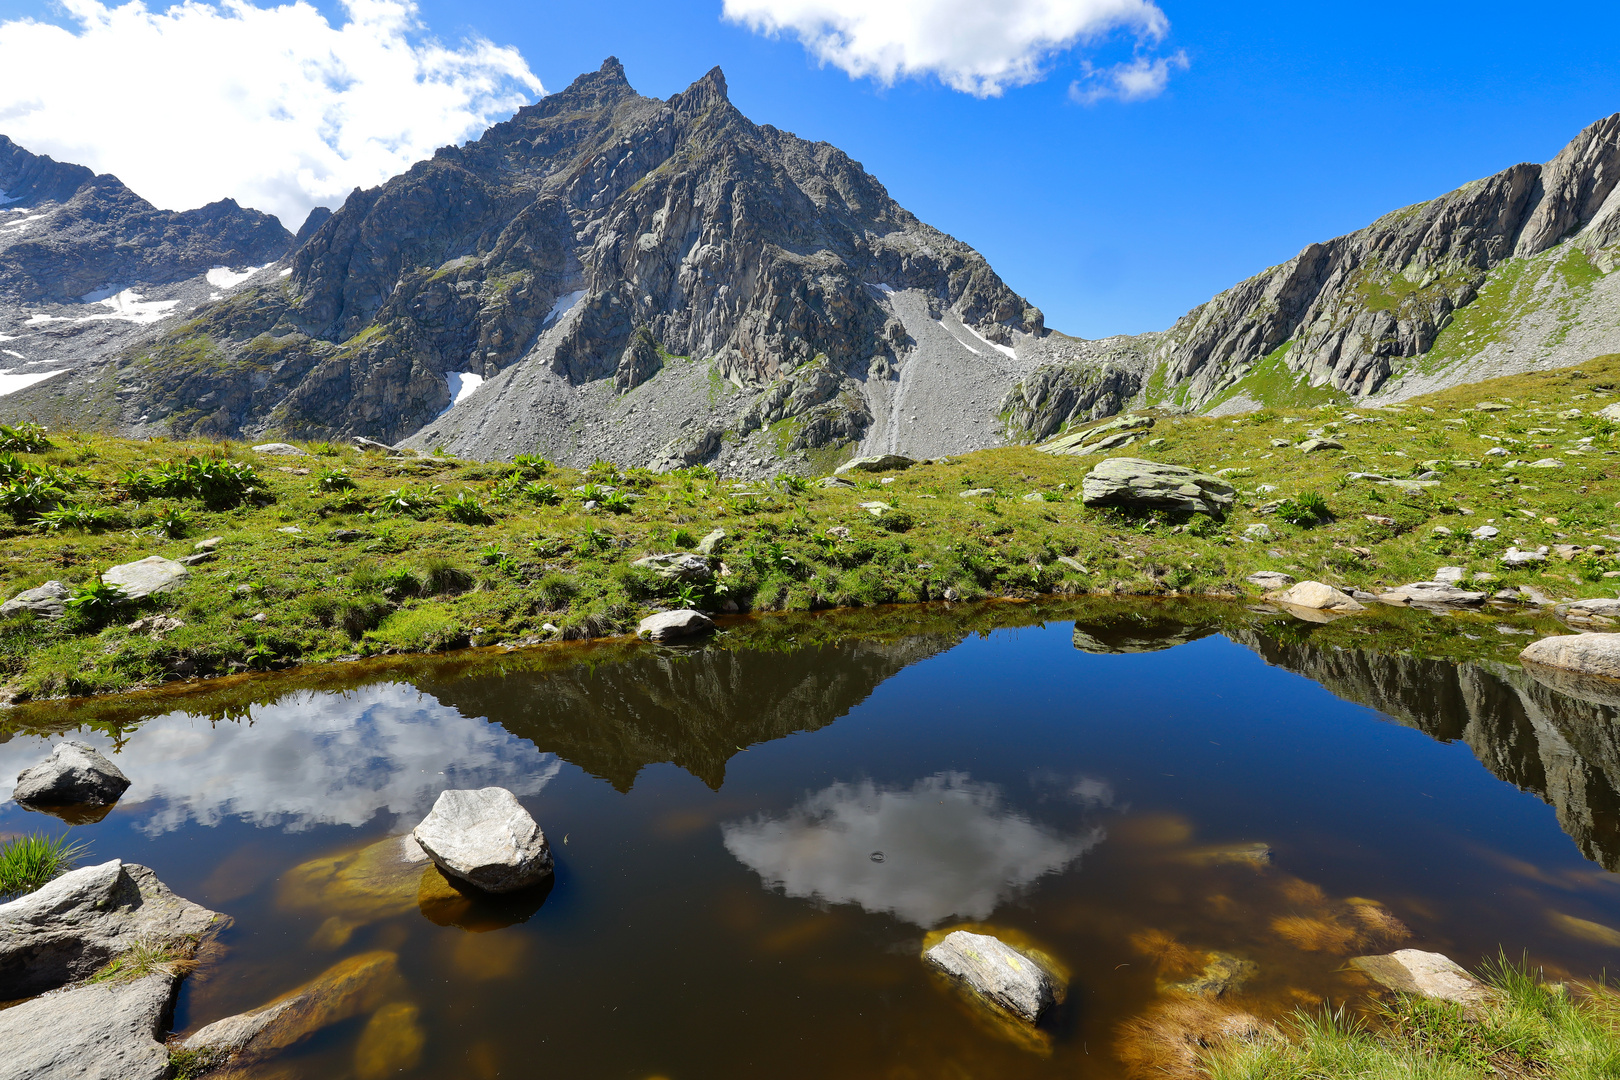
[[74, 774], [1270, 579], [391, 1043], [878, 463], [142, 578], [1412, 971], [1432, 592], [356, 888], [1587, 654], [1149, 485], [678, 565], [1316, 596], [279, 448], [103, 1031], [673, 625], [999, 973], [710, 544], [75, 924], [486, 839], [1607, 607], [1222, 973], [47, 601], [349, 988]]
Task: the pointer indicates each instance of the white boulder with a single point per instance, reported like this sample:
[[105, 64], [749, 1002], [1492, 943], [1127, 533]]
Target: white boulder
[[486, 839]]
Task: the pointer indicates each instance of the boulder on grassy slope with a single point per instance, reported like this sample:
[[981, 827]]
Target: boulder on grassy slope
[[1134, 484]]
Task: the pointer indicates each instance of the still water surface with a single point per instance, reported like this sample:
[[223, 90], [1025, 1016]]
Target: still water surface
[[720, 908]]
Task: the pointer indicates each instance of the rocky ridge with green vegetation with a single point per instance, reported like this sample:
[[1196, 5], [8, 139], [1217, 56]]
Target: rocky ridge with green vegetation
[[287, 555]]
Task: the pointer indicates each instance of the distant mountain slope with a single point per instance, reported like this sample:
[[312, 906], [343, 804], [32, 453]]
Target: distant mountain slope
[[1498, 276], [605, 273], [87, 266]]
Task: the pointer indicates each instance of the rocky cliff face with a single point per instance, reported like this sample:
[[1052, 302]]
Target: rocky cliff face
[[1496, 277], [1563, 750], [597, 252]]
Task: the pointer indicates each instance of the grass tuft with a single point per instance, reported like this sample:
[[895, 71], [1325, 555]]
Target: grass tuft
[[28, 863]]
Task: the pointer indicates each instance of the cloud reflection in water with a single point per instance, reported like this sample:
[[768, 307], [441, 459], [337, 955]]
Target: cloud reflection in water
[[310, 759], [951, 847]]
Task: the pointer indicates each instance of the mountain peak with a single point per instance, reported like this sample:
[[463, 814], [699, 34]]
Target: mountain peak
[[705, 93]]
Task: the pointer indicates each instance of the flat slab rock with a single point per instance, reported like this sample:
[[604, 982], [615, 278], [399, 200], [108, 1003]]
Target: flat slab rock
[[106, 1031], [1586, 666], [998, 973], [486, 839], [1132, 482], [142, 578], [1412, 971], [678, 566], [674, 625], [70, 928], [1270, 579], [877, 463], [74, 774], [279, 448], [349, 988], [47, 601], [1431, 592]]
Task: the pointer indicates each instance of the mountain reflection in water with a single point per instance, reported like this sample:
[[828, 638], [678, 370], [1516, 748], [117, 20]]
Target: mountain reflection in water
[[947, 846]]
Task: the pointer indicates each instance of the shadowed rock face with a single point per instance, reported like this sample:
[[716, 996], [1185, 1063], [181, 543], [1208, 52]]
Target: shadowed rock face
[[89, 232], [593, 236], [1563, 750], [693, 710]]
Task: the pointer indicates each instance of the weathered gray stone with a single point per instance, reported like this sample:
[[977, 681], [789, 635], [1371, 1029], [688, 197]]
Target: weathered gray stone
[[1102, 437], [105, 1031], [75, 924], [877, 463], [1431, 592], [1485, 532], [1586, 654], [1514, 557], [673, 625], [486, 839], [1546, 463], [47, 601], [1134, 483], [144, 577], [1316, 596], [280, 448], [377, 447], [998, 973], [74, 774], [1607, 607], [347, 989], [834, 482], [1450, 575], [1312, 446], [678, 565], [710, 544], [976, 493], [1412, 971], [1270, 579]]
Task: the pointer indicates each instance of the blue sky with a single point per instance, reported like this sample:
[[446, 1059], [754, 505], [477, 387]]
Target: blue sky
[[1290, 123]]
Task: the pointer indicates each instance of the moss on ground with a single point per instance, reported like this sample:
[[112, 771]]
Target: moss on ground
[[346, 554]]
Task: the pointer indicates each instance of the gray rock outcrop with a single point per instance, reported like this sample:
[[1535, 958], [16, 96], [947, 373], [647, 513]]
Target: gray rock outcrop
[[1584, 654], [998, 973], [1431, 593], [1316, 596], [68, 929], [104, 1031], [876, 463], [1132, 483], [678, 566], [674, 625], [486, 839], [48, 601], [142, 578], [74, 774], [1431, 974]]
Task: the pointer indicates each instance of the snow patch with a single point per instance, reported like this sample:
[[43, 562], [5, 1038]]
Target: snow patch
[[286, 273], [11, 382], [223, 277], [886, 290], [16, 225], [1004, 350], [564, 305], [8, 352], [462, 384], [41, 320], [7, 337], [98, 295], [128, 306]]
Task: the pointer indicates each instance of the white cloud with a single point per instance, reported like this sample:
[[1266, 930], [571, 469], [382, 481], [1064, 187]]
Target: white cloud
[[1142, 78], [970, 45], [950, 846], [273, 106]]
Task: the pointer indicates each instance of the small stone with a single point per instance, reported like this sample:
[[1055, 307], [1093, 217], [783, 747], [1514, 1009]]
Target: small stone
[[1259, 531], [1441, 530], [1412, 971], [1011, 980], [1380, 519], [839, 532], [1485, 532], [75, 774], [1312, 446], [678, 566], [976, 493], [1514, 557], [1281, 444], [207, 545], [1547, 463], [293, 529], [834, 482], [1450, 575], [1496, 451], [877, 463], [48, 601], [1270, 579], [710, 544], [279, 448], [1154, 444], [486, 839], [1485, 578], [145, 577], [344, 536], [1431, 592], [672, 625], [1316, 596], [374, 446], [260, 617]]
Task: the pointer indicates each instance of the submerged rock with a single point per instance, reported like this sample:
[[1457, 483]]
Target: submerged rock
[[1000, 974], [67, 930], [74, 774], [1223, 972], [348, 988], [48, 601], [391, 1043], [486, 839], [672, 625], [1148, 485], [144, 577], [102, 1031], [1412, 971], [356, 888]]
